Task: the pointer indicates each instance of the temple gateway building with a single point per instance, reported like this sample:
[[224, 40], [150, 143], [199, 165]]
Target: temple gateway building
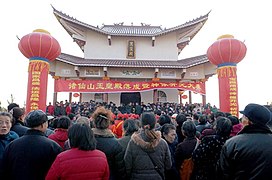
[[130, 63]]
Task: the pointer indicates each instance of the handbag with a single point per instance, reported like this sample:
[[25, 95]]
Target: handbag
[[187, 166]]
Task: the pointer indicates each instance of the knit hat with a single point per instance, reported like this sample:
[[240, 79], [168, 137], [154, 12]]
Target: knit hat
[[257, 114], [35, 118]]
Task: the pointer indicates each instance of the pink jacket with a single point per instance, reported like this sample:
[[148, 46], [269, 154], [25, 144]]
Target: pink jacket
[[80, 165]]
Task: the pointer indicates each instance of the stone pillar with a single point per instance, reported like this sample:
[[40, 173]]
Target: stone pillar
[[155, 96], [105, 97], [203, 99], [80, 97], [55, 98], [190, 97], [70, 97]]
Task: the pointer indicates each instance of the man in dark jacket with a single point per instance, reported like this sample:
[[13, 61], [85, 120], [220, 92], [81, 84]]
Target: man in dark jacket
[[248, 155], [30, 156]]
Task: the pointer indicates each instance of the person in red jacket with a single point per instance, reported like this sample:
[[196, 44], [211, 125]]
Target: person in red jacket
[[81, 162], [118, 126], [60, 134], [50, 109]]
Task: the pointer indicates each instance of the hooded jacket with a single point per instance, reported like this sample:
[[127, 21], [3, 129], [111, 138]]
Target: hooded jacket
[[138, 163]]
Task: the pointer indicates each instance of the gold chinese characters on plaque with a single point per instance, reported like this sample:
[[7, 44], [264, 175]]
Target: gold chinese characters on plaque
[[131, 50]]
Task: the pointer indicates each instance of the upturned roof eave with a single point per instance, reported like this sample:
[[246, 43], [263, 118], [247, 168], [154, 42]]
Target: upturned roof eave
[[96, 29]]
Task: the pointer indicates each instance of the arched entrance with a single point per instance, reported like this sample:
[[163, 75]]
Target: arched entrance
[[128, 97], [162, 96]]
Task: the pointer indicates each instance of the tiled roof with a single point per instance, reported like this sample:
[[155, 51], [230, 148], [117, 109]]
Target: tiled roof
[[129, 30], [122, 30], [179, 64]]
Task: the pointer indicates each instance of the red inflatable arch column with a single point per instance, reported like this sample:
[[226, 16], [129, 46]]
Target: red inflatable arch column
[[40, 48], [225, 53]]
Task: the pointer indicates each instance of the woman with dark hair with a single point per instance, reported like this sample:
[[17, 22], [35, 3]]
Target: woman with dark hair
[[18, 124], [78, 162], [107, 142], [60, 134], [180, 119], [185, 149], [164, 119], [169, 135], [207, 153], [203, 123], [129, 127], [147, 154]]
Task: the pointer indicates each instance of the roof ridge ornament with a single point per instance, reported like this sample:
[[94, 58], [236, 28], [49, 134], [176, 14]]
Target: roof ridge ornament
[[118, 24]]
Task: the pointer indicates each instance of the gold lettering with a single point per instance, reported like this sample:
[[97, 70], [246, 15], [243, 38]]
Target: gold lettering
[[109, 86], [72, 85], [136, 87], [117, 86], [81, 86], [99, 86], [155, 84], [90, 86], [126, 86]]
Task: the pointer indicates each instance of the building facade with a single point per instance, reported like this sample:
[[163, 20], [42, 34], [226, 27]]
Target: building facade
[[129, 63]]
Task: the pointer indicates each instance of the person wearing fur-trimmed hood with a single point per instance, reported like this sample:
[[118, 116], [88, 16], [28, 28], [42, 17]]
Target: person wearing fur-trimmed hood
[[147, 154]]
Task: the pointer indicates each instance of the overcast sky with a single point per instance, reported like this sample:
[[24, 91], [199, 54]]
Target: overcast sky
[[247, 21]]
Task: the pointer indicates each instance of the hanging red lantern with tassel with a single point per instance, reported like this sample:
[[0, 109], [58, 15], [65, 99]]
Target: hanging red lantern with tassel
[[225, 53]]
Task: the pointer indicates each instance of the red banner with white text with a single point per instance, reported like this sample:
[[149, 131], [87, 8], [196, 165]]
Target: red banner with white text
[[96, 86]]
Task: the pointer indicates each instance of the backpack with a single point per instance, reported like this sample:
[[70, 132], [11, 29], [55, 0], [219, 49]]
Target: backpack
[[186, 168]]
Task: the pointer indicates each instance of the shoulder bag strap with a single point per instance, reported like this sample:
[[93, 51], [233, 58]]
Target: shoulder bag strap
[[155, 166], [197, 143]]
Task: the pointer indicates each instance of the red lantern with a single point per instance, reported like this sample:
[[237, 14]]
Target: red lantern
[[39, 47], [226, 53], [184, 96], [76, 95], [40, 44], [226, 50]]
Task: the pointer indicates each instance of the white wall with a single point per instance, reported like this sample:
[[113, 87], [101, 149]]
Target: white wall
[[97, 47], [147, 97], [115, 98]]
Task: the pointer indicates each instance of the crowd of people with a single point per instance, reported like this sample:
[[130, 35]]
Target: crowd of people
[[170, 141]]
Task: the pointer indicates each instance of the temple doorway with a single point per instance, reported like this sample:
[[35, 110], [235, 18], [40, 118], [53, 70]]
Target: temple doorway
[[128, 97]]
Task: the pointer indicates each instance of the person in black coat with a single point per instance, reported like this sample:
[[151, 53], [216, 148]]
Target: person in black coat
[[185, 149], [207, 153], [248, 154], [30, 156], [107, 143]]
